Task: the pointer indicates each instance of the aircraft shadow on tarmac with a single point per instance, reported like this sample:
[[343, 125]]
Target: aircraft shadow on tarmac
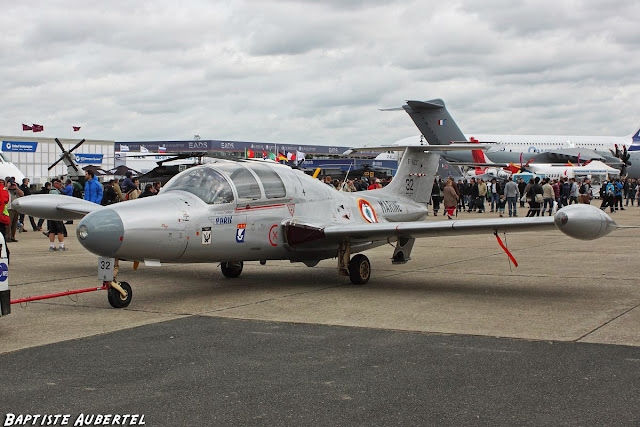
[[179, 283], [172, 285], [439, 286]]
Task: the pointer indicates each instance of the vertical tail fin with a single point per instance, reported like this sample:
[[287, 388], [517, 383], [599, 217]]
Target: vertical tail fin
[[414, 178], [635, 141], [434, 121], [418, 167], [478, 155]]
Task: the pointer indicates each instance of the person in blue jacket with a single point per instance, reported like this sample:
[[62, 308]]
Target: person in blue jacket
[[92, 188], [618, 186], [68, 188]]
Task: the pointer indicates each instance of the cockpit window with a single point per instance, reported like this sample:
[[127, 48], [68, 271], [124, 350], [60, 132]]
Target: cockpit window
[[205, 183], [244, 181], [273, 185]]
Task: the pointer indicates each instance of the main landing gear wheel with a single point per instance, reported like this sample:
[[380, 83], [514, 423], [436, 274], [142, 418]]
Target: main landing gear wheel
[[116, 299], [359, 269], [231, 269]]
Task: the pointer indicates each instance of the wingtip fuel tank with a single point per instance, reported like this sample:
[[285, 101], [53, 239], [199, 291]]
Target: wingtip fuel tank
[[584, 222]]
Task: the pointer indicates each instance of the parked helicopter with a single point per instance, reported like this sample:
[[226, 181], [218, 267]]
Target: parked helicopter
[[247, 210]]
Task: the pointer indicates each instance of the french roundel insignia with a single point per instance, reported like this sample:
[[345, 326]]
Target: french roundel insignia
[[4, 272], [367, 211]]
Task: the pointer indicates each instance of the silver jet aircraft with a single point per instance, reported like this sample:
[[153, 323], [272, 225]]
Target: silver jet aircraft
[[235, 211]]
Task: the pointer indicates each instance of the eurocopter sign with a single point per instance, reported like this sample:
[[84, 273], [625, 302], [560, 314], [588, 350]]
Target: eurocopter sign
[[89, 158], [26, 147]]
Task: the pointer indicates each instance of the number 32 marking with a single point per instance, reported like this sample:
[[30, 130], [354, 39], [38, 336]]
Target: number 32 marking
[[409, 184]]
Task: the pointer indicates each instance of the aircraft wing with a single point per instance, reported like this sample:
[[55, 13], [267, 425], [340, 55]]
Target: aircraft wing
[[54, 206], [436, 148], [563, 155], [386, 230], [578, 221]]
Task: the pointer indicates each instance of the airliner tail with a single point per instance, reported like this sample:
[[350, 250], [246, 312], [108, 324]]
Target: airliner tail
[[635, 141]]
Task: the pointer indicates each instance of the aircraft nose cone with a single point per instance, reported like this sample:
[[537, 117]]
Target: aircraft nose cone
[[101, 232]]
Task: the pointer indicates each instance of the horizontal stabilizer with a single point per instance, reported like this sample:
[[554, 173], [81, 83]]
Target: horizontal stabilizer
[[419, 105], [434, 104]]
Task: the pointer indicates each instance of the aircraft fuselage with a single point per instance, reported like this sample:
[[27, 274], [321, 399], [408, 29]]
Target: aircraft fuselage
[[178, 226]]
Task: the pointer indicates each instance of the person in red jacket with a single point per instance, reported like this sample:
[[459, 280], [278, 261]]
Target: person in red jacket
[[5, 221], [375, 185]]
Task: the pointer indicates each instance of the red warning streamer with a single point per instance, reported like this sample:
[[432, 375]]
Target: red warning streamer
[[505, 249]]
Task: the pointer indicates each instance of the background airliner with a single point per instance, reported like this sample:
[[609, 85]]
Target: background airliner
[[522, 148], [9, 169], [536, 161], [606, 146], [541, 143], [488, 170]]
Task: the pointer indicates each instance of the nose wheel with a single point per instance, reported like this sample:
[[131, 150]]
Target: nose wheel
[[231, 269], [359, 269], [118, 293], [119, 298]]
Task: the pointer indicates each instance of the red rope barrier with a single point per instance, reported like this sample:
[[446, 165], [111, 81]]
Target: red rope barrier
[[60, 294]]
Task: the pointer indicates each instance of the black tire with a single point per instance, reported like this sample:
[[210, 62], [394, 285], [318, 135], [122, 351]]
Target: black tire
[[359, 269], [231, 269], [118, 301]]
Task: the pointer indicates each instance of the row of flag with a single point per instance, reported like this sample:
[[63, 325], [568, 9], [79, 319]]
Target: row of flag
[[34, 127], [143, 149], [39, 128], [296, 157]]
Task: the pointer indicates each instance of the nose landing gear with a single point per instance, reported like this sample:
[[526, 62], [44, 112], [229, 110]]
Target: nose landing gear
[[119, 294]]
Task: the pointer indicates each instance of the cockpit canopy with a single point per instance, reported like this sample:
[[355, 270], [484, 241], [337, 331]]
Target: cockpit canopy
[[213, 183]]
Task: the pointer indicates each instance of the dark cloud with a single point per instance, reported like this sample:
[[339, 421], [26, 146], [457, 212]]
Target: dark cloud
[[317, 71]]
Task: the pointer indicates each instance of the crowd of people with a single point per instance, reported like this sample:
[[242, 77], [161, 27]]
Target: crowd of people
[[356, 184], [541, 195], [613, 193], [127, 189], [93, 191]]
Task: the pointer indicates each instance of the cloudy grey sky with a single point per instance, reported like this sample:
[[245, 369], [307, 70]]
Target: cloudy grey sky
[[317, 71]]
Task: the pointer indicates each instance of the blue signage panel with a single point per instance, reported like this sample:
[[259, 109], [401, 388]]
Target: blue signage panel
[[349, 164], [89, 158], [237, 146], [27, 147]]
